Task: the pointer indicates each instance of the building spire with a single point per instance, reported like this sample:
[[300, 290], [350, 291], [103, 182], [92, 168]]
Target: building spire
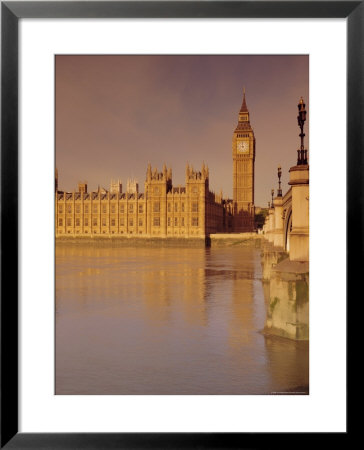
[[244, 108]]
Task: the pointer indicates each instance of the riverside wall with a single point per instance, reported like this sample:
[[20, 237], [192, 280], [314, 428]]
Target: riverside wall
[[213, 240], [286, 291]]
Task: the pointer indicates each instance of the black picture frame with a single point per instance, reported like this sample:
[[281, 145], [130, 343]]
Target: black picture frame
[[11, 12]]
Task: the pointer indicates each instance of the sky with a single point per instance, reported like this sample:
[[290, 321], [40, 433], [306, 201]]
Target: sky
[[115, 114]]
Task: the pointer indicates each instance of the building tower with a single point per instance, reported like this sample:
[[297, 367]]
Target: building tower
[[243, 172], [132, 186], [82, 187], [157, 186], [116, 187], [197, 188]]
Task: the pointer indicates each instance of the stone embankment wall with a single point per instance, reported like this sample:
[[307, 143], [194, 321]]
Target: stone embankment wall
[[113, 241], [286, 293], [235, 239], [214, 240]]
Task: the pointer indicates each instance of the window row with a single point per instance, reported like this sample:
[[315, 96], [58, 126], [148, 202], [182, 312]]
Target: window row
[[122, 208], [169, 222], [95, 208], [170, 206], [95, 222]]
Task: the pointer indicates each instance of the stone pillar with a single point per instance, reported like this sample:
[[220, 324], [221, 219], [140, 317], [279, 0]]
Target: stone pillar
[[271, 225], [278, 222], [299, 239]]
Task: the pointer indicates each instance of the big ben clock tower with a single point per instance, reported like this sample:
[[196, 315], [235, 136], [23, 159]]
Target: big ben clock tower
[[243, 172]]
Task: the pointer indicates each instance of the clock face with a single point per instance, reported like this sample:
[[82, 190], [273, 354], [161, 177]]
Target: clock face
[[243, 146]]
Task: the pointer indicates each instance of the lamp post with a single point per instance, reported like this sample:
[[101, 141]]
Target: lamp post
[[301, 118], [279, 193], [272, 192]]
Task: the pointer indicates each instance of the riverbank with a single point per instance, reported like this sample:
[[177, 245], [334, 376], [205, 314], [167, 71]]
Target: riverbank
[[236, 240], [113, 241], [214, 240]]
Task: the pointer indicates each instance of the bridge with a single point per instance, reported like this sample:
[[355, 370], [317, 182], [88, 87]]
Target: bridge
[[287, 224], [286, 250]]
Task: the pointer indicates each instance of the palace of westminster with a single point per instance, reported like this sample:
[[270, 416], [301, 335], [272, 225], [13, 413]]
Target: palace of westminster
[[164, 210]]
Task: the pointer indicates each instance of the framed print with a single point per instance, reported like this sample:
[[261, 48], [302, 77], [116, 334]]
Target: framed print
[[198, 238], [150, 304]]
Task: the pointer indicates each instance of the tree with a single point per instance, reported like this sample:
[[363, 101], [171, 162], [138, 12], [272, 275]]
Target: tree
[[259, 217]]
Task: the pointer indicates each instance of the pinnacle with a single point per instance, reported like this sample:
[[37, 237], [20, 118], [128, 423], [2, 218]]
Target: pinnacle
[[244, 108]]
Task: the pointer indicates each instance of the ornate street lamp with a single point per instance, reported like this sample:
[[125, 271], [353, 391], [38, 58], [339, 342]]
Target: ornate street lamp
[[301, 119], [279, 192], [272, 192]]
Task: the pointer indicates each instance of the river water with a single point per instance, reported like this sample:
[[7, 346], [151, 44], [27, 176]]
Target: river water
[[168, 321]]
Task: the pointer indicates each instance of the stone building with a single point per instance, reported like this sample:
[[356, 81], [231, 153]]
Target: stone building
[[243, 172], [164, 210]]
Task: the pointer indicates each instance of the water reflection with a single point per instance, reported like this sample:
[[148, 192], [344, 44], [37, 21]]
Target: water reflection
[[167, 321]]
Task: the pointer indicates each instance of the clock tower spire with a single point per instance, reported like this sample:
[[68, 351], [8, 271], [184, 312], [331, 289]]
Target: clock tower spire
[[243, 147]]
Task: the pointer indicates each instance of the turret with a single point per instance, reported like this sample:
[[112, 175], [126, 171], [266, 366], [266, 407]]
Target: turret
[[187, 172], [204, 170]]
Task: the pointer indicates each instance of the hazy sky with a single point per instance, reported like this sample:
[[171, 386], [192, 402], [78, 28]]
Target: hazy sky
[[114, 114]]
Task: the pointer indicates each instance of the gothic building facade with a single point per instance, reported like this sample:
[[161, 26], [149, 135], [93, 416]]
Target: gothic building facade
[[164, 210]]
